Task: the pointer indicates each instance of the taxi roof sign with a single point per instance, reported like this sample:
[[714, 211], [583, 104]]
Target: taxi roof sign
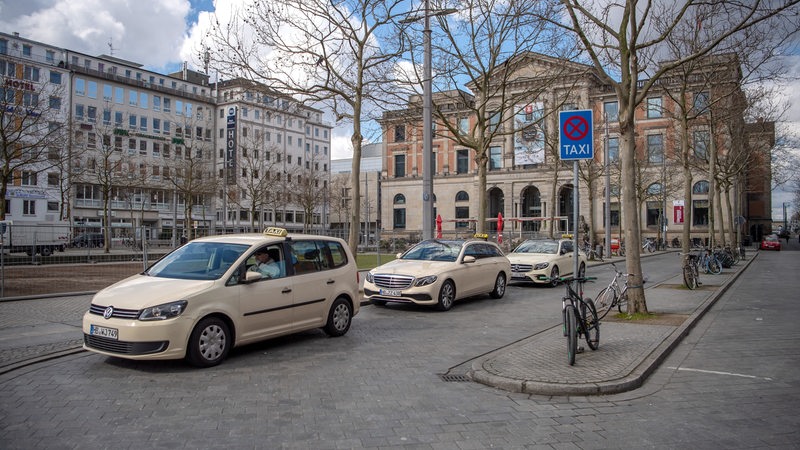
[[483, 236], [276, 231]]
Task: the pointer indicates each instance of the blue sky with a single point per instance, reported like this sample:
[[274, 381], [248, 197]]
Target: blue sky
[[162, 34]]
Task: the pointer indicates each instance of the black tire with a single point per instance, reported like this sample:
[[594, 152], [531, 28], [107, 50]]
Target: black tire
[[591, 324], [209, 343], [572, 334], [46, 251], [339, 318], [582, 270], [447, 295], [499, 286], [689, 278], [605, 301], [554, 274]]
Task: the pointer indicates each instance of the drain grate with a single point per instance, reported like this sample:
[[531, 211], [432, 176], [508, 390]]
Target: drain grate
[[449, 377]]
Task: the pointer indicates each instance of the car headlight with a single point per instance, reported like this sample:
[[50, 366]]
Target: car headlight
[[163, 312], [370, 277], [541, 266], [424, 281]]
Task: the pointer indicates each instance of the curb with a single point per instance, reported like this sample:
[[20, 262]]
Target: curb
[[633, 380]]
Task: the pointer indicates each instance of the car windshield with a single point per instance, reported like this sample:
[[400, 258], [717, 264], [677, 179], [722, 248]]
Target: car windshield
[[434, 251], [198, 261], [548, 247], [772, 237]]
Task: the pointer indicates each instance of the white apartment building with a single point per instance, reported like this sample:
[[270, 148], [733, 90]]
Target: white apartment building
[[34, 104], [273, 158]]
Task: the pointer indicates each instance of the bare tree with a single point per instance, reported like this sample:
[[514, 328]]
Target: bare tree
[[254, 184], [488, 48], [30, 128], [330, 54], [190, 173], [622, 40]]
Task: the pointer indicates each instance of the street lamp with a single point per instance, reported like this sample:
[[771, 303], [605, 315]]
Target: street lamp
[[427, 129]]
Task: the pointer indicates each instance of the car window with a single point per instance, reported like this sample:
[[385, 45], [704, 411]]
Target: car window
[[333, 254], [434, 251], [566, 246], [275, 252], [198, 261], [307, 257], [549, 247], [492, 251]]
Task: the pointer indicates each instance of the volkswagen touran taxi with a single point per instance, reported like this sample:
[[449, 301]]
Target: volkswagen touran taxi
[[206, 297]]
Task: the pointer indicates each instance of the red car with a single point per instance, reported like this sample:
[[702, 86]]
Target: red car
[[771, 242]]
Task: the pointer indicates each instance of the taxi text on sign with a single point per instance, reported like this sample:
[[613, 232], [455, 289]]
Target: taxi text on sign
[[576, 138]]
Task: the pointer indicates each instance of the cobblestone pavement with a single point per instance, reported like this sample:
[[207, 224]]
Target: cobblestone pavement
[[732, 382]]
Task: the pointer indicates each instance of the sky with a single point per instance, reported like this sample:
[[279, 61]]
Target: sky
[[162, 34]]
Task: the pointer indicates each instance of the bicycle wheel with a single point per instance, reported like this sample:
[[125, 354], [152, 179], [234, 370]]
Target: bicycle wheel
[[689, 278], [591, 324], [572, 334], [714, 266], [622, 303], [605, 300]]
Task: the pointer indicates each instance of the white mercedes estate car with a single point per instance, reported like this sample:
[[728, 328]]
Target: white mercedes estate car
[[439, 272]]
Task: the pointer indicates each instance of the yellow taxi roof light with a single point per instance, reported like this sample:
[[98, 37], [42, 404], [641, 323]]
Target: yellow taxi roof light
[[276, 231]]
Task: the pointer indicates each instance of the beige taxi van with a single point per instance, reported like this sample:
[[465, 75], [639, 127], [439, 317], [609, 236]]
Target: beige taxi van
[[208, 296]]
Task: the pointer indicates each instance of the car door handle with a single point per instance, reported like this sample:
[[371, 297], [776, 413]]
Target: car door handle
[[330, 282], [286, 291]]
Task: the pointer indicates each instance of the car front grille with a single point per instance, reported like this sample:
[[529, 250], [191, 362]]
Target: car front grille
[[122, 347], [393, 281], [118, 313], [521, 267]]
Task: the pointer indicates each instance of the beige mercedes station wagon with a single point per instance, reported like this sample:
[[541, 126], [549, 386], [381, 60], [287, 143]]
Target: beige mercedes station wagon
[[213, 294]]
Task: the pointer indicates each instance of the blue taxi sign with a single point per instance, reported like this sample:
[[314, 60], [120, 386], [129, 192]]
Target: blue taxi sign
[[576, 136]]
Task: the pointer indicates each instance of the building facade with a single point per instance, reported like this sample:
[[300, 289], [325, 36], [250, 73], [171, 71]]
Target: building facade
[[153, 156], [532, 188]]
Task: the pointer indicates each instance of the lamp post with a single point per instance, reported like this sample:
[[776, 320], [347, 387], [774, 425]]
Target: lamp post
[[427, 128]]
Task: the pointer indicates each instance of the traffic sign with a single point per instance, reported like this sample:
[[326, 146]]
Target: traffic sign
[[576, 136]]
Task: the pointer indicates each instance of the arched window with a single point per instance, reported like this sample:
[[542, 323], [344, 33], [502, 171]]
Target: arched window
[[399, 212], [701, 187], [462, 196], [654, 189]]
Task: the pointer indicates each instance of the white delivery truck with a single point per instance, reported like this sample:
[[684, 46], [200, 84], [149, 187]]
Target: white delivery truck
[[32, 238]]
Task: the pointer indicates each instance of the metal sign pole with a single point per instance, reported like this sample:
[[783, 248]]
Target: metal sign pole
[[575, 212]]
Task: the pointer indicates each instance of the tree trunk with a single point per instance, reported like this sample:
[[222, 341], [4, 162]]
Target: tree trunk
[[633, 240]]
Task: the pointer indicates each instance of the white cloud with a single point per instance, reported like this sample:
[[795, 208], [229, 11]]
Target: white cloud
[[149, 32]]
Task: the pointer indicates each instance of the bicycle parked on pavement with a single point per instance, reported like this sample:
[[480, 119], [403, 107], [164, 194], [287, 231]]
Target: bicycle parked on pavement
[[613, 295], [710, 263], [649, 245], [580, 317], [691, 270]]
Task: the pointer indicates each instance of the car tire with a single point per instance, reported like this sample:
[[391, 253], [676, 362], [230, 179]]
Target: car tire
[[209, 343], [447, 295], [582, 270], [46, 251], [339, 318], [499, 286], [554, 274]]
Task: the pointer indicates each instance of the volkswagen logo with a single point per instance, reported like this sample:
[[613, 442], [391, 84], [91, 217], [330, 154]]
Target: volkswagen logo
[[108, 312]]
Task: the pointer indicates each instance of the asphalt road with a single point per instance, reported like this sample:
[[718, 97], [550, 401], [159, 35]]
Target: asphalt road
[[732, 383]]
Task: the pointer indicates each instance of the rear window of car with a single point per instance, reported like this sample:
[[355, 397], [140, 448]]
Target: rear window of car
[[316, 255]]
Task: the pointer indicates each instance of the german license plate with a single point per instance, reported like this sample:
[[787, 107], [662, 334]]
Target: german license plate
[[518, 276], [105, 332], [391, 292]]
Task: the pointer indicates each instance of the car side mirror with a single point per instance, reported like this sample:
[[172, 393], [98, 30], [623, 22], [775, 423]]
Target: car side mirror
[[398, 255], [468, 259], [251, 276]]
